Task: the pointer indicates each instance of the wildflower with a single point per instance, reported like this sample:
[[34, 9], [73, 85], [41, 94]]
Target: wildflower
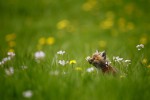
[[6, 59], [60, 52], [143, 40], [87, 58], [120, 60], [42, 41], [144, 61], [140, 46], [27, 94], [39, 55], [117, 59], [9, 71], [89, 5], [11, 54], [91, 69], [62, 62], [10, 37], [2, 62], [108, 23], [127, 60], [63, 24], [50, 40], [11, 50], [148, 66], [72, 62], [78, 68]]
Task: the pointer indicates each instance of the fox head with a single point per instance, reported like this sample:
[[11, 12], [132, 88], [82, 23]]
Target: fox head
[[98, 59]]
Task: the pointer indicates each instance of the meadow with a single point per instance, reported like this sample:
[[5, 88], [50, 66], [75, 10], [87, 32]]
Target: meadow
[[44, 45]]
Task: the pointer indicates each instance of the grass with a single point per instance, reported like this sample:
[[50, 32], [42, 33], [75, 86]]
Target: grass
[[79, 28]]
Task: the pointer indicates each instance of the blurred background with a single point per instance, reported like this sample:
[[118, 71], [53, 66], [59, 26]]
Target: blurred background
[[78, 24]]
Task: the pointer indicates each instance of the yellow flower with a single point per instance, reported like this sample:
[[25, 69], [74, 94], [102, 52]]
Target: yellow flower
[[42, 41], [107, 24], [148, 66], [50, 40], [63, 24], [109, 21], [143, 40], [72, 62], [78, 68], [12, 43], [11, 50], [10, 37], [144, 61], [89, 5]]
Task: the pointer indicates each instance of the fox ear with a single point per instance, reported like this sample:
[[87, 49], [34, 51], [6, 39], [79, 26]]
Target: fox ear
[[103, 54], [97, 51]]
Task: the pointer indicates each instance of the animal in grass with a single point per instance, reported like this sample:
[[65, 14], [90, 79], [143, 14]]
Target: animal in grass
[[98, 60]]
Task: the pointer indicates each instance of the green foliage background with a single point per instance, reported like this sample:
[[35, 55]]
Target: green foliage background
[[116, 26]]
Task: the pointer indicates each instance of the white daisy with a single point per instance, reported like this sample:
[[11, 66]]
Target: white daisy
[[6, 59], [11, 54], [91, 69], [140, 46], [127, 61], [9, 71], [39, 55], [27, 94], [117, 59], [62, 62], [61, 52]]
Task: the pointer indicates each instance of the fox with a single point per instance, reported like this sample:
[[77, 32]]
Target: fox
[[98, 60]]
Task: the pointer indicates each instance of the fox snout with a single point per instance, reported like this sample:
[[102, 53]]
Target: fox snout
[[94, 62]]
